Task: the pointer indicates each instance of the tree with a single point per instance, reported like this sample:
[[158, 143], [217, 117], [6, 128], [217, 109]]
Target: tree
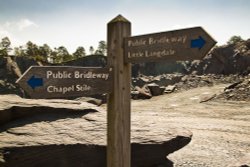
[[32, 50], [91, 50], [234, 39], [62, 55], [102, 48], [5, 46], [53, 56], [44, 52], [80, 52], [19, 51]]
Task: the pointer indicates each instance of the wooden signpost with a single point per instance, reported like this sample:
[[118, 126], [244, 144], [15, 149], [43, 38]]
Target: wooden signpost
[[186, 44], [62, 81], [118, 149], [52, 82]]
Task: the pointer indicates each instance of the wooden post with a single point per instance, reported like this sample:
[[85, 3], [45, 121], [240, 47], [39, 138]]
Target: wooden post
[[118, 137]]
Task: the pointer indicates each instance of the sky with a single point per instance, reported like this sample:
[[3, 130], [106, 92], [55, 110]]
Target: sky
[[74, 23]]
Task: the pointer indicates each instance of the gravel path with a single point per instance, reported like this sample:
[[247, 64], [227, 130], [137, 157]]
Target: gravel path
[[221, 129]]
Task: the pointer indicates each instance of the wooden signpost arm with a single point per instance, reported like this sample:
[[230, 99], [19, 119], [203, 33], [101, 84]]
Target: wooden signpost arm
[[118, 138]]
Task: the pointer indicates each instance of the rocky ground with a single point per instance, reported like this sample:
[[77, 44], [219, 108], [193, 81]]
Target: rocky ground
[[221, 129], [147, 86], [69, 133]]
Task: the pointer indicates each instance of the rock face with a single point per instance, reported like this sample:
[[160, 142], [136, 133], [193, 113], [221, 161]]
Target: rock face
[[158, 68], [239, 90], [24, 63], [227, 59], [9, 72], [72, 133]]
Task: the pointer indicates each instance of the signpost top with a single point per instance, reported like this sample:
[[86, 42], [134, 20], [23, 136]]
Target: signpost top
[[183, 44], [119, 18]]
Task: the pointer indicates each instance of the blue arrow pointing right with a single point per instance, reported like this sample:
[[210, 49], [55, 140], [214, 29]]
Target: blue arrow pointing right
[[34, 82], [198, 43]]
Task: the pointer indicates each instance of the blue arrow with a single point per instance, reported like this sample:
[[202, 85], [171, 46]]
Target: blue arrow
[[198, 43], [35, 82]]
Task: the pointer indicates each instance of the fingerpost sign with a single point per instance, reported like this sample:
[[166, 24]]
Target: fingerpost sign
[[63, 81], [68, 81], [179, 45]]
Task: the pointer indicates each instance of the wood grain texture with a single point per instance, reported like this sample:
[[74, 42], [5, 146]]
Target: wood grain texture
[[119, 151]]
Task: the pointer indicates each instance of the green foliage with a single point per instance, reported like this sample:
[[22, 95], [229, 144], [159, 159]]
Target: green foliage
[[102, 48], [61, 54], [19, 51], [52, 58], [32, 50], [80, 52], [45, 54], [5, 46], [234, 40]]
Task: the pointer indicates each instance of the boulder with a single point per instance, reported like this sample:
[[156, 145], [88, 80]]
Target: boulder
[[167, 79], [139, 81], [161, 80], [73, 133], [170, 88], [237, 90], [155, 89], [232, 86], [135, 94], [144, 92]]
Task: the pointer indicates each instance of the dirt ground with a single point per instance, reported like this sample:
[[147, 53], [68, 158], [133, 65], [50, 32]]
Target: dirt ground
[[221, 129]]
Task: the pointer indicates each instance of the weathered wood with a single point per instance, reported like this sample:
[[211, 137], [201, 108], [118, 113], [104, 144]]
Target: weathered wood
[[184, 44], [63, 81], [118, 150]]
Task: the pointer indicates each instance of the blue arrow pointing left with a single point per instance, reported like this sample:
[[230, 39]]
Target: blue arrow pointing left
[[34, 82]]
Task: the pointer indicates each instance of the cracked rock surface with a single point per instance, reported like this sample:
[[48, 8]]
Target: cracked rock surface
[[73, 133]]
